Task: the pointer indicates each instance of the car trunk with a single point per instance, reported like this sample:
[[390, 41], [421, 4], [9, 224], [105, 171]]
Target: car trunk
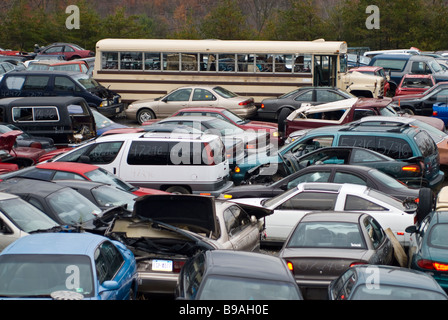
[[316, 268]]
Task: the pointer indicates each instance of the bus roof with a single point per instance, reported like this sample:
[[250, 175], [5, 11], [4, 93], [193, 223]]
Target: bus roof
[[223, 46]]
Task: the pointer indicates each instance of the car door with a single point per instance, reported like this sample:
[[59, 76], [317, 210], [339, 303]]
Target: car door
[[291, 210], [440, 96], [173, 102], [380, 241], [203, 98], [242, 234]]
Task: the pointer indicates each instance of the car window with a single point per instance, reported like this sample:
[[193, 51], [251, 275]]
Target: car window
[[103, 153], [108, 261], [361, 113], [343, 286], [396, 148], [441, 94], [310, 201], [362, 155], [318, 176], [64, 84], [390, 64], [311, 144], [54, 49], [374, 231], [193, 276], [328, 96], [306, 96], [235, 220], [68, 49], [35, 83], [437, 236], [426, 144], [203, 95], [63, 175], [179, 95], [357, 203], [345, 177]]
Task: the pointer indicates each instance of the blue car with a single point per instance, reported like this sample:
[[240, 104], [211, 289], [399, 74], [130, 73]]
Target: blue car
[[67, 266], [428, 249]]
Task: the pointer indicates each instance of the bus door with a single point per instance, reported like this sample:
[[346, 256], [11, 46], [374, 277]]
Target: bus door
[[325, 70]]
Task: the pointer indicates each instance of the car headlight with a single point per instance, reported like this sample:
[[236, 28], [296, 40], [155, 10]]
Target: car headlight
[[104, 103]]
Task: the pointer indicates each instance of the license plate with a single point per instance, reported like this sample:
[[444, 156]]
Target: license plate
[[162, 265], [117, 110]]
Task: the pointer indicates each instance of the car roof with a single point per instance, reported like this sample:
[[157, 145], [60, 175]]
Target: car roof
[[40, 101], [396, 275], [332, 216], [55, 243], [67, 166], [246, 264], [18, 185], [80, 184], [157, 136]]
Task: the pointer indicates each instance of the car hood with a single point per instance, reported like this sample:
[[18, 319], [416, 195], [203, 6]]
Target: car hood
[[8, 139], [176, 209]]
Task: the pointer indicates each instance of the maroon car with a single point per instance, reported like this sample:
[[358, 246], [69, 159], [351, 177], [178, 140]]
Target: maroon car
[[337, 113], [69, 50], [22, 156]]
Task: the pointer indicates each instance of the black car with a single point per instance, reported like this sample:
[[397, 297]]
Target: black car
[[236, 275], [422, 104], [103, 195], [63, 204], [280, 107], [337, 173]]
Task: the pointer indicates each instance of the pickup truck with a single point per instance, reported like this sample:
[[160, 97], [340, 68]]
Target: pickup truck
[[397, 65], [337, 113]]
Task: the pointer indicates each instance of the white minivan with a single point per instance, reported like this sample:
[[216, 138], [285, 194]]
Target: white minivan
[[174, 162]]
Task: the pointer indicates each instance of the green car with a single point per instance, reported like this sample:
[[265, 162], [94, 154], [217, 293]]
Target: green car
[[401, 142], [428, 249]]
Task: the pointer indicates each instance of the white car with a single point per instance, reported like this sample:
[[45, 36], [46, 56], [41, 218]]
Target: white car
[[293, 204]]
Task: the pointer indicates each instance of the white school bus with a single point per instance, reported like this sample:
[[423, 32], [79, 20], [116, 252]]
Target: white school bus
[[149, 68]]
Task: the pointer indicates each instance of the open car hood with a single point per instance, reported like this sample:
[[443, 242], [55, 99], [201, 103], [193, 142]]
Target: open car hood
[[8, 139], [179, 209]]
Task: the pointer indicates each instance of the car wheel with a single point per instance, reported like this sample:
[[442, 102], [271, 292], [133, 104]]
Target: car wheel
[[408, 111], [145, 115], [425, 204], [178, 190]]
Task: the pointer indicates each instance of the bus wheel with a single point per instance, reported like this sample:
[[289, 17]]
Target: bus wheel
[[145, 115]]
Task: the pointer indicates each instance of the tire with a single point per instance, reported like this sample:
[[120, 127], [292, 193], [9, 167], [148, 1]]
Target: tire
[[145, 115], [425, 204], [178, 190], [408, 111], [284, 113]]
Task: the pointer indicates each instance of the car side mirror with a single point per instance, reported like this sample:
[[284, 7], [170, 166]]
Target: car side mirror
[[411, 229], [109, 285], [84, 159], [253, 220]]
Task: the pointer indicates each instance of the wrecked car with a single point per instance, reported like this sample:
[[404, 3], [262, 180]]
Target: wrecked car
[[165, 230]]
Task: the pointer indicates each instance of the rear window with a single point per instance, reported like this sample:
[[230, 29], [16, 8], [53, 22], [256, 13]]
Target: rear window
[[175, 153], [425, 143], [390, 64]]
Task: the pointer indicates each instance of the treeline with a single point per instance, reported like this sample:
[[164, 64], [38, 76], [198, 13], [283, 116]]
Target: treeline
[[402, 23]]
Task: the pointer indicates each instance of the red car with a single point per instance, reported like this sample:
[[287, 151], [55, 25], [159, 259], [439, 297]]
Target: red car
[[69, 50], [79, 171], [23, 156], [414, 84], [227, 115]]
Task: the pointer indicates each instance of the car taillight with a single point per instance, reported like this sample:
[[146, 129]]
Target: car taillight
[[412, 168], [246, 102], [262, 106], [210, 154], [434, 113], [290, 266], [356, 263], [36, 145], [177, 266], [432, 265]]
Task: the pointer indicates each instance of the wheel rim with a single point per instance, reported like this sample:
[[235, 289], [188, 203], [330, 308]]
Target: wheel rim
[[145, 116]]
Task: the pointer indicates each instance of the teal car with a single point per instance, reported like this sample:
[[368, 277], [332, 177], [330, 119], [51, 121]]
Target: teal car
[[401, 142], [428, 249]]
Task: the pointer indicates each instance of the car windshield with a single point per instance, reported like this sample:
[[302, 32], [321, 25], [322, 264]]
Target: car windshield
[[240, 288], [104, 176], [388, 292], [38, 275], [435, 66], [87, 82], [437, 236], [435, 133], [224, 92], [108, 196], [232, 116], [25, 216], [329, 234], [72, 207]]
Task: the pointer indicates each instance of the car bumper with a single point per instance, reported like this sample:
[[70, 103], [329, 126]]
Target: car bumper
[[131, 113], [157, 283], [248, 112], [111, 110]]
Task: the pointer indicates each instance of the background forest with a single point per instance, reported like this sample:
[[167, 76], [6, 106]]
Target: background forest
[[403, 23]]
